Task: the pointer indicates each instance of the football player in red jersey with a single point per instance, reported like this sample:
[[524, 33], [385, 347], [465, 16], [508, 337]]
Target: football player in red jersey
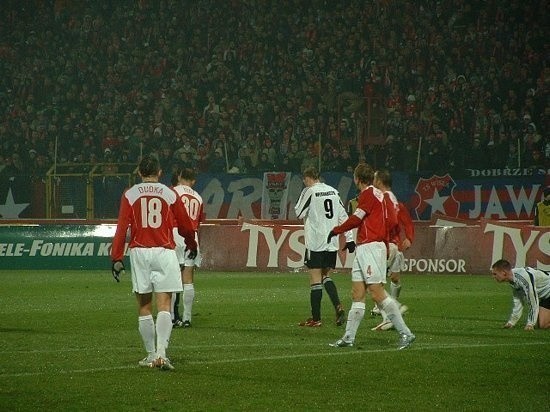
[[183, 181], [396, 259], [148, 209], [369, 266]]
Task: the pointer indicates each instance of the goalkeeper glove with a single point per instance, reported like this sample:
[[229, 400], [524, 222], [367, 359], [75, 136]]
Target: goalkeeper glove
[[191, 253], [350, 246], [331, 234], [117, 269]]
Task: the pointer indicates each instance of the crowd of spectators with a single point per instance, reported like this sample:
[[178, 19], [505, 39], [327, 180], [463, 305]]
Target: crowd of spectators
[[247, 86]]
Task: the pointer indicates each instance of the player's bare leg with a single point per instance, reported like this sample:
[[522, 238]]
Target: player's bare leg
[[544, 318]]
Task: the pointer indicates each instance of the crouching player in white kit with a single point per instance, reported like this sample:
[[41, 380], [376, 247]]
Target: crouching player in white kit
[[184, 179], [396, 259], [149, 209], [530, 286]]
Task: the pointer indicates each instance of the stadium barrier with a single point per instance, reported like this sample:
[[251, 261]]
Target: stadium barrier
[[84, 190], [92, 192], [440, 246]]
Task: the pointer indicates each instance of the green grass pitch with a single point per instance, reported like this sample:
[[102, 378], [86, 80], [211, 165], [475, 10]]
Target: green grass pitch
[[70, 342]]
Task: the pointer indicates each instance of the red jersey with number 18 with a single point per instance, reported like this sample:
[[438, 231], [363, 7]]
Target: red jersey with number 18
[[148, 209]]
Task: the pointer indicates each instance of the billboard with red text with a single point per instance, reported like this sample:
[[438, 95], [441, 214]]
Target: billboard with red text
[[249, 245]]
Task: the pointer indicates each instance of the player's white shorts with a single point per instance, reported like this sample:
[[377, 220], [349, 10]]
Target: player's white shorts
[[182, 253], [155, 269], [184, 260], [396, 259], [369, 265]]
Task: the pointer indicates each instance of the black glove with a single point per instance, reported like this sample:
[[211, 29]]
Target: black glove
[[192, 253], [117, 269], [331, 234], [350, 246]]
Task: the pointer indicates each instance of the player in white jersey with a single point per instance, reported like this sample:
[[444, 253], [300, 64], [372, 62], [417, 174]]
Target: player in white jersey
[[183, 182], [321, 209], [529, 286]]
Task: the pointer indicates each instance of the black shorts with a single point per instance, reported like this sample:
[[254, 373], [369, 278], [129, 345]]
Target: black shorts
[[320, 260], [544, 303]]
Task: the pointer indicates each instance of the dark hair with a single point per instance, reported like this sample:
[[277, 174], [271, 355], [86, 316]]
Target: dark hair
[[501, 264], [184, 173], [311, 172], [175, 179], [364, 173], [149, 166], [385, 177]]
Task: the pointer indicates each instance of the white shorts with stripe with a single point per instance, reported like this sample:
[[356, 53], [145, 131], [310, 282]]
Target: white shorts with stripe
[[182, 253], [369, 265], [155, 269], [396, 259]]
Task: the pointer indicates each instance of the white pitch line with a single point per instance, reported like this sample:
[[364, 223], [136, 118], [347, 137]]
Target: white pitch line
[[186, 347], [333, 352], [355, 350], [64, 372]]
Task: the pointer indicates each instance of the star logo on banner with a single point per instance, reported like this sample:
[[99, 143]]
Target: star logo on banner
[[437, 202], [435, 195], [10, 209]]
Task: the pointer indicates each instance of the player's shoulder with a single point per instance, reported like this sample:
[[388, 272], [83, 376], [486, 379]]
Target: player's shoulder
[[193, 193], [538, 274], [331, 189], [187, 190], [144, 189], [372, 192], [324, 187], [306, 192], [392, 196], [377, 192], [198, 196], [155, 189], [520, 275]]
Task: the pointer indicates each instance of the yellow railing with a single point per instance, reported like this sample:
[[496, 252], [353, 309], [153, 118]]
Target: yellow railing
[[85, 190]]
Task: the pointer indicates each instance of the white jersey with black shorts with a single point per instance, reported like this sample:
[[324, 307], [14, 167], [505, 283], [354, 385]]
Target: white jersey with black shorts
[[321, 209], [532, 287]]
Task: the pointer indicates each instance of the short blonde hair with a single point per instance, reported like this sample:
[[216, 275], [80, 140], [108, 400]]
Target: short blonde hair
[[364, 173], [311, 172]]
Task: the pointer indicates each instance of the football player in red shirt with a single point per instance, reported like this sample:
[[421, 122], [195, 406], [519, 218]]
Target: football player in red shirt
[[396, 259], [183, 181], [148, 209], [369, 267]]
